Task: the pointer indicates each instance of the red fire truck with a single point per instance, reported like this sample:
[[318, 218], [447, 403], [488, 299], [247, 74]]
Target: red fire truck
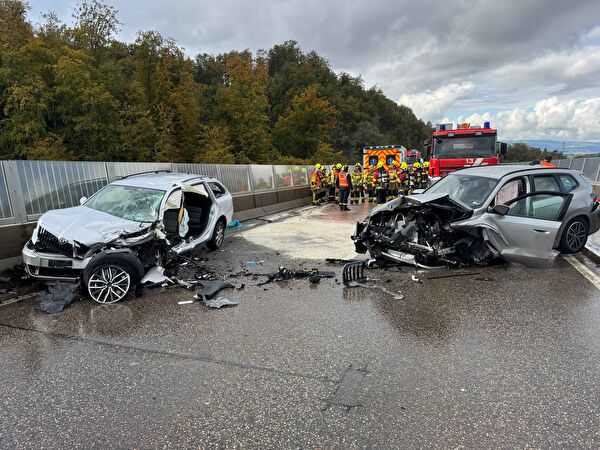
[[465, 146]]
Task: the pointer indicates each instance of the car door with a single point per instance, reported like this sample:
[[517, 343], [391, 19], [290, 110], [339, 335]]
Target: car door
[[222, 198], [530, 226]]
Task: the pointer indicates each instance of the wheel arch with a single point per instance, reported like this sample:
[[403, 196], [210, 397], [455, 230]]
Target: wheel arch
[[568, 219]]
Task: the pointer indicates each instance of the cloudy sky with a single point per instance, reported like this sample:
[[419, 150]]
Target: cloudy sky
[[530, 66]]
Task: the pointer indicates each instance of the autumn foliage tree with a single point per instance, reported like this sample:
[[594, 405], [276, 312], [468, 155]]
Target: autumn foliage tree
[[73, 91]]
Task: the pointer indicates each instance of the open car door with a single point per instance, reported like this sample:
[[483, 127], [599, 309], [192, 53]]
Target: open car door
[[529, 224]]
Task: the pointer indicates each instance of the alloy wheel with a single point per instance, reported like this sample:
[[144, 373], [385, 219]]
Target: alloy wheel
[[576, 235], [109, 284], [220, 236]]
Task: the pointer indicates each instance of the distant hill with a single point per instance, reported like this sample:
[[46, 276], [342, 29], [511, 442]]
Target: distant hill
[[570, 147]]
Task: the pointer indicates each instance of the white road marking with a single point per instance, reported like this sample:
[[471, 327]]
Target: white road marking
[[583, 270]]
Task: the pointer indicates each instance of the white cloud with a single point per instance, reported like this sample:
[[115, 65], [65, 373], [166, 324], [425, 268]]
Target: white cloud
[[432, 104], [549, 118]]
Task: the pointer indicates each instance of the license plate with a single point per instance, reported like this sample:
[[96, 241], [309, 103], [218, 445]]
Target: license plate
[[58, 264]]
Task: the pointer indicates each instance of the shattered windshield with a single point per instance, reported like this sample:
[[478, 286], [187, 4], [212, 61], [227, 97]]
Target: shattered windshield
[[465, 147], [127, 202], [467, 189]]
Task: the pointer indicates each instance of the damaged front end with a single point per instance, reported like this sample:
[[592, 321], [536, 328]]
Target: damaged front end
[[418, 230]]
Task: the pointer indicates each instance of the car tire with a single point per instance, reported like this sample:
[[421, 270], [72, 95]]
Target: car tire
[[109, 277], [218, 236], [574, 236]]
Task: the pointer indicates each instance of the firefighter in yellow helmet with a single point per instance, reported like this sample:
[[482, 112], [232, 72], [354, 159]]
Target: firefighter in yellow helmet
[[331, 178], [393, 183], [381, 177], [357, 185], [338, 169], [315, 185], [369, 184], [425, 181], [324, 184], [404, 179], [415, 177]]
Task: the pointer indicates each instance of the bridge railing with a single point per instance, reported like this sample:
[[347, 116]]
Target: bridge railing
[[30, 188]]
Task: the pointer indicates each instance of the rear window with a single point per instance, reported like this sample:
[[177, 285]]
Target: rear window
[[545, 183], [217, 189], [568, 182]]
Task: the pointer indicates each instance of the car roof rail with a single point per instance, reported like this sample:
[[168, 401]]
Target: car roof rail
[[146, 173], [202, 177]]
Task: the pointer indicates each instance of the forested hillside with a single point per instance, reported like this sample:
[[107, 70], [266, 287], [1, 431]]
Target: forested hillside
[[70, 90]]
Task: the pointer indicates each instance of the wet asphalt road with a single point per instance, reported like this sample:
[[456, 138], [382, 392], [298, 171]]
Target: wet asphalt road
[[506, 357]]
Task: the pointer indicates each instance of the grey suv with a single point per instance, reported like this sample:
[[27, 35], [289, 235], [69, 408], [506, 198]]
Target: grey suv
[[127, 227], [473, 215]]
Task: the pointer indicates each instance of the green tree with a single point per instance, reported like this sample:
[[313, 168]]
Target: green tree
[[215, 146], [87, 109], [138, 134], [95, 25], [14, 28], [307, 124], [242, 106], [26, 110]]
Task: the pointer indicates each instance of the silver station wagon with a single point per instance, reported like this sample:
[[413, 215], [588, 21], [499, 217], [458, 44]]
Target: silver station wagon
[[131, 225]]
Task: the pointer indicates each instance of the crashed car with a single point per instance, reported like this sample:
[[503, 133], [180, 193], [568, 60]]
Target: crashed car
[[474, 215], [130, 226]]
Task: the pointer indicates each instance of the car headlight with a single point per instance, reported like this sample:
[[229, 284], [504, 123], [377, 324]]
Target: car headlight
[[34, 235]]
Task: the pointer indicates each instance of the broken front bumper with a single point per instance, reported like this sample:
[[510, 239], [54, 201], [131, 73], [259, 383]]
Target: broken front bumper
[[51, 266]]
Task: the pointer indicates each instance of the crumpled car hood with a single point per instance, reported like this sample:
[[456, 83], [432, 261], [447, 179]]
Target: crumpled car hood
[[87, 226], [416, 200]]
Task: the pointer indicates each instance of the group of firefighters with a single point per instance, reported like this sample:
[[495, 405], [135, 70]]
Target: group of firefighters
[[378, 184]]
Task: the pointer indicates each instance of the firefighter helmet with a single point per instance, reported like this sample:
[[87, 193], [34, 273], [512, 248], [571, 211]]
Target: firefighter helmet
[[417, 165], [380, 164], [318, 166], [395, 163], [404, 166], [338, 166], [426, 164]]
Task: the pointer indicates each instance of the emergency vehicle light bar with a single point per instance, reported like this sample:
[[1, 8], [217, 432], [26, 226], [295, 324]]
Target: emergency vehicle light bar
[[381, 147]]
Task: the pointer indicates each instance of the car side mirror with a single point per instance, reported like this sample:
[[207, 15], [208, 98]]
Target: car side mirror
[[501, 209], [82, 200]]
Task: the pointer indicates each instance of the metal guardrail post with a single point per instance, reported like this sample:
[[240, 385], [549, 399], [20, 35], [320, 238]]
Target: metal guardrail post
[[15, 192], [292, 176], [583, 164], [250, 184], [273, 177], [570, 162], [597, 174], [107, 174]]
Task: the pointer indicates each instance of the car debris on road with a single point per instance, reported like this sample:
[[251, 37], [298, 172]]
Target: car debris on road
[[58, 296], [314, 275], [220, 302]]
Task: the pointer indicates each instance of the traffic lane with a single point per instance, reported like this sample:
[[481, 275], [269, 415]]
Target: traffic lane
[[313, 233], [440, 368], [459, 356]]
